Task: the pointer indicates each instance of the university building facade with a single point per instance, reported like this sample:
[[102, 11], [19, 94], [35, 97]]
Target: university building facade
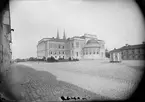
[[78, 47]]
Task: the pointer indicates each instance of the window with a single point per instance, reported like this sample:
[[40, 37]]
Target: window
[[132, 57], [63, 52], [59, 46], [72, 45], [139, 51], [77, 44], [94, 52], [132, 51], [63, 47], [122, 53], [97, 52], [90, 52], [59, 52], [86, 53], [77, 53]]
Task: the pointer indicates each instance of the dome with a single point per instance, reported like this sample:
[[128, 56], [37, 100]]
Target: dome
[[92, 41]]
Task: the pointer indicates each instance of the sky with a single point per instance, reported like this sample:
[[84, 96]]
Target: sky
[[117, 22]]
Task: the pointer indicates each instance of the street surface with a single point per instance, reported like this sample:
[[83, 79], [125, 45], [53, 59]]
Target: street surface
[[114, 80], [28, 85]]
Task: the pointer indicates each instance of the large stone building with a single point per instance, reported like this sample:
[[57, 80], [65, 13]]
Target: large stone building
[[81, 47], [130, 52]]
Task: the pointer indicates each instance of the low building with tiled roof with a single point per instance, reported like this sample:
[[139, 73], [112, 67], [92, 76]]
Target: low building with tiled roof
[[131, 52]]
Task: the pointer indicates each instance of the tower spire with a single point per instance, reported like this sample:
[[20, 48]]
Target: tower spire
[[57, 34], [64, 37]]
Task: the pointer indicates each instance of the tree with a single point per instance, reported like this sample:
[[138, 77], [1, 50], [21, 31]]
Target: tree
[[69, 59], [44, 58], [107, 53]]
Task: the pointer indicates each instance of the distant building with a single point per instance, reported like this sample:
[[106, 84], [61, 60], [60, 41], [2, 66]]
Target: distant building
[[131, 52], [80, 47]]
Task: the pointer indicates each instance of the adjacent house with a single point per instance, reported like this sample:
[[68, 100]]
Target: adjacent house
[[130, 52]]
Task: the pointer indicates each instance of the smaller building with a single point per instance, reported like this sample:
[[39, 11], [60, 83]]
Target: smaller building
[[130, 52], [115, 55]]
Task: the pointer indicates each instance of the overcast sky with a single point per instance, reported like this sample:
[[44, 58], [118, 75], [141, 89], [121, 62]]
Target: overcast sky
[[115, 22]]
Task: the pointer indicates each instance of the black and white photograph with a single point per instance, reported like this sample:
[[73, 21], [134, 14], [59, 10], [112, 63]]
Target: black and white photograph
[[71, 50]]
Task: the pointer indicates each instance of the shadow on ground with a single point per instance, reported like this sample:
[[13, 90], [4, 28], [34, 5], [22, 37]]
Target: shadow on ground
[[21, 75]]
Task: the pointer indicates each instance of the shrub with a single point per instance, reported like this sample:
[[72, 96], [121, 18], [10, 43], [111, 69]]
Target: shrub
[[75, 59], [48, 59], [60, 59], [44, 58], [51, 59], [69, 59]]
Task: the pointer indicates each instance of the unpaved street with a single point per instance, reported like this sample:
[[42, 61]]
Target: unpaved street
[[101, 77]]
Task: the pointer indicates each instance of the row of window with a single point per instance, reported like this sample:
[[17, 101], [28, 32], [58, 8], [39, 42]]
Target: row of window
[[91, 49], [77, 45], [91, 53], [57, 52], [132, 51], [132, 57], [56, 46]]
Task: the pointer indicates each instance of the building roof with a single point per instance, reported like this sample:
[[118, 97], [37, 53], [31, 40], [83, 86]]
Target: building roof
[[132, 46], [90, 35], [43, 39], [129, 47], [57, 40], [115, 50], [92, 43]]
